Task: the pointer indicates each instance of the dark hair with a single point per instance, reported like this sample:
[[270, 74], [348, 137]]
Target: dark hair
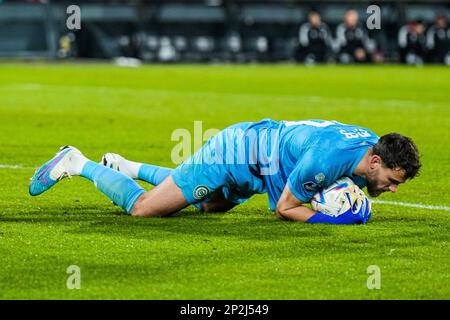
[[398, 152]]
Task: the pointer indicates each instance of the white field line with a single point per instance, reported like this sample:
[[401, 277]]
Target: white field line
[[412, 205], [14, 166], [305, 98], [393, 203]]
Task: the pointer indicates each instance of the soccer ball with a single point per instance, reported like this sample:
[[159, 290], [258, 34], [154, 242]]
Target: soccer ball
[[339, 197]]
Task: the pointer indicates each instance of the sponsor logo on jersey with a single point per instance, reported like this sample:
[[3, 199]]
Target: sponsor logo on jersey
[[311, 186]]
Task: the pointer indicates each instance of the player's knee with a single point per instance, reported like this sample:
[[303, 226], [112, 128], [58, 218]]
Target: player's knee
[[218, 206], [209, 207], [139, 209], [279, 215], [278, 212], [142, 209]]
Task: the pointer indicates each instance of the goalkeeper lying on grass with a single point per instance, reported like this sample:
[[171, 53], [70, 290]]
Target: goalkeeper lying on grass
[[288, 160]]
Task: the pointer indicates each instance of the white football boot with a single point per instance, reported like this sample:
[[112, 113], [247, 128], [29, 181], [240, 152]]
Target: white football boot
[[119, 163]]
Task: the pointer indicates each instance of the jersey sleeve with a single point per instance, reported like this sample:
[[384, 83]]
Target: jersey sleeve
[[313, 172]]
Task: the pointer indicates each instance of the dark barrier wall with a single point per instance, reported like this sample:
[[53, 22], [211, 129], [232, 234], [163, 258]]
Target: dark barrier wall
[[226, 31]]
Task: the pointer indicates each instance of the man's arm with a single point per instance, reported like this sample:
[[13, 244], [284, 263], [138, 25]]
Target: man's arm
[[291, 208]]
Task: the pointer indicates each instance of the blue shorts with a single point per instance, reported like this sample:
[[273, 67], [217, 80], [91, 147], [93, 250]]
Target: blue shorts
[[208, 171]]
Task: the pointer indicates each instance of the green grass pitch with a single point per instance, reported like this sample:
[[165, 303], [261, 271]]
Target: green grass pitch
[[243, 254]]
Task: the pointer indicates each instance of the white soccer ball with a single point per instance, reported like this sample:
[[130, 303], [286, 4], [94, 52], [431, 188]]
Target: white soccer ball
[[339, 197]]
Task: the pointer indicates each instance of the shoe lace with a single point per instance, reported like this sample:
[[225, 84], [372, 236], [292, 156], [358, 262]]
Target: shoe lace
[[65, 174]]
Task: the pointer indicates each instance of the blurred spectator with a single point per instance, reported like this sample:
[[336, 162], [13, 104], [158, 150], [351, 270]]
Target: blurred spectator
[[166, 52], [411, 40], [352, 42], [67, 46], [314, 38], [438, 41]]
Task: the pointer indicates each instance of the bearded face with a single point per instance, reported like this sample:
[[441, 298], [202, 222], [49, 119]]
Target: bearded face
[[383, 179]]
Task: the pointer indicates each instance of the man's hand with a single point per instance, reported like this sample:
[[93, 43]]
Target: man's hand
[[290, 208], [349, 217]]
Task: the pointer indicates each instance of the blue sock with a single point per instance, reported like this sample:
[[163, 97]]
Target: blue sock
[[121, 189], [153, 174]]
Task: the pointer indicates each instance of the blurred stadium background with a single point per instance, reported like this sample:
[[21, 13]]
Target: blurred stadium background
[[242, 31], [189, 53]]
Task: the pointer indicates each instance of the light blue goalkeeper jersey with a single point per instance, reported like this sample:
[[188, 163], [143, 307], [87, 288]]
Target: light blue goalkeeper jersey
[[308, 155], [261, 157]]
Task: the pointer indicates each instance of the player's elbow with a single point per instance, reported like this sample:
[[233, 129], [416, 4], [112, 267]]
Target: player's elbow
[[280, 213]]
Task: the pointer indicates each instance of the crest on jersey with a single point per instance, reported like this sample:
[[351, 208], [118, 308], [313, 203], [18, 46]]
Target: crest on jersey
[[201, 192], [320, 177]]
